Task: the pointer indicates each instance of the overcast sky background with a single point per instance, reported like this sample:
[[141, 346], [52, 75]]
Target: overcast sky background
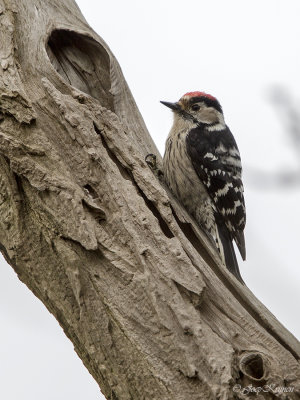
[[236, 51]]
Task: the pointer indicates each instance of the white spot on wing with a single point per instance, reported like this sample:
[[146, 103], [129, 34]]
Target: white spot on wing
[[223, 191], [231, 211], [210, 156]]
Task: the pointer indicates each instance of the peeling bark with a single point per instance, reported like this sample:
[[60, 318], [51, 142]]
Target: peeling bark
[[134, 283]]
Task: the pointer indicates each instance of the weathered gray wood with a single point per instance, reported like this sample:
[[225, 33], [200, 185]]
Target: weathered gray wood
[[89, 229]]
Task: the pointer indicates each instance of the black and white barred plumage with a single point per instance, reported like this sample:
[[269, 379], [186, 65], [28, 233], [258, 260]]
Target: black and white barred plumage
[[202, 167]]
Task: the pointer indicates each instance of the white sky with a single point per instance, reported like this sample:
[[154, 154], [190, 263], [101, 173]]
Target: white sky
[[236, 51]]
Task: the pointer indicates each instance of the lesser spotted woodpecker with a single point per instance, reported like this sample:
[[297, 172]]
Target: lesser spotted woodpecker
[[202, 167]]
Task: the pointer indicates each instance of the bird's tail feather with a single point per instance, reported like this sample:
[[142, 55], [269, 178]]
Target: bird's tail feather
[[229, 253]]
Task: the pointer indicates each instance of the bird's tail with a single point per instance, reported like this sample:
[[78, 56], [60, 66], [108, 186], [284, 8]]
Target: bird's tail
[[228, 253]]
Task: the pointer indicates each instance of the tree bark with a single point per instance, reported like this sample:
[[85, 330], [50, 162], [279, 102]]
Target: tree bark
[[87, 226]]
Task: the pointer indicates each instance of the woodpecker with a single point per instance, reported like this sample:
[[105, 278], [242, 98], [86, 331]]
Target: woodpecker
[[202, 167]]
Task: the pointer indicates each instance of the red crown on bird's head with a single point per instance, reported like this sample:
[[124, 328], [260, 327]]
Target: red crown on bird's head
[[199, 94]]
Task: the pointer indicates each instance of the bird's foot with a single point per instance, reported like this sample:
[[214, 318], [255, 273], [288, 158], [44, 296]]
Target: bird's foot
[[151, 161]]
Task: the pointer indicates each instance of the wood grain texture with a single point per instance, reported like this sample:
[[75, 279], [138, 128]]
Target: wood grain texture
[[136, 286]]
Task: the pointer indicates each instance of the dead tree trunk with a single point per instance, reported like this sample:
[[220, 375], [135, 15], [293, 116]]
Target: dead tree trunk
[[88, 228]]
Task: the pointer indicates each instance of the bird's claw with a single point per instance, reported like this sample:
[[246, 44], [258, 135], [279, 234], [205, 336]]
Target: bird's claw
[[151, 161]]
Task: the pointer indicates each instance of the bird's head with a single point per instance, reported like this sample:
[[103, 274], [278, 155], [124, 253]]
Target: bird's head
[[198, 107]]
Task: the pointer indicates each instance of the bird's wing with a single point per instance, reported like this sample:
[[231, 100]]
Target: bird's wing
[[216, 160]]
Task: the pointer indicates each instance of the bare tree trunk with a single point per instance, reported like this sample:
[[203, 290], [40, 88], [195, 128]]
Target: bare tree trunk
[[88, 228]]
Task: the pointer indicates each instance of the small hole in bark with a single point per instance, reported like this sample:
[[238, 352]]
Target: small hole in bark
[[91, 191], [110, 327], [83, 63], [253, 366]]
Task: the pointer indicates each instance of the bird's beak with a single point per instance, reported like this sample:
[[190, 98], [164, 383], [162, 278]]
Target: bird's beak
[[173, 106]]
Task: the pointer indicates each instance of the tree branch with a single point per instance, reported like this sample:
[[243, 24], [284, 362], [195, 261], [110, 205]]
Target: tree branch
[[136, 286]]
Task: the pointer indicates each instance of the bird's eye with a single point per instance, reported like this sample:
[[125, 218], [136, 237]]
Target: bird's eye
[[195, 107]]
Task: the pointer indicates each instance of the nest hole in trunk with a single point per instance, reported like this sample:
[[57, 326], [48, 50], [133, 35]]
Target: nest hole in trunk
[[83, 63]]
